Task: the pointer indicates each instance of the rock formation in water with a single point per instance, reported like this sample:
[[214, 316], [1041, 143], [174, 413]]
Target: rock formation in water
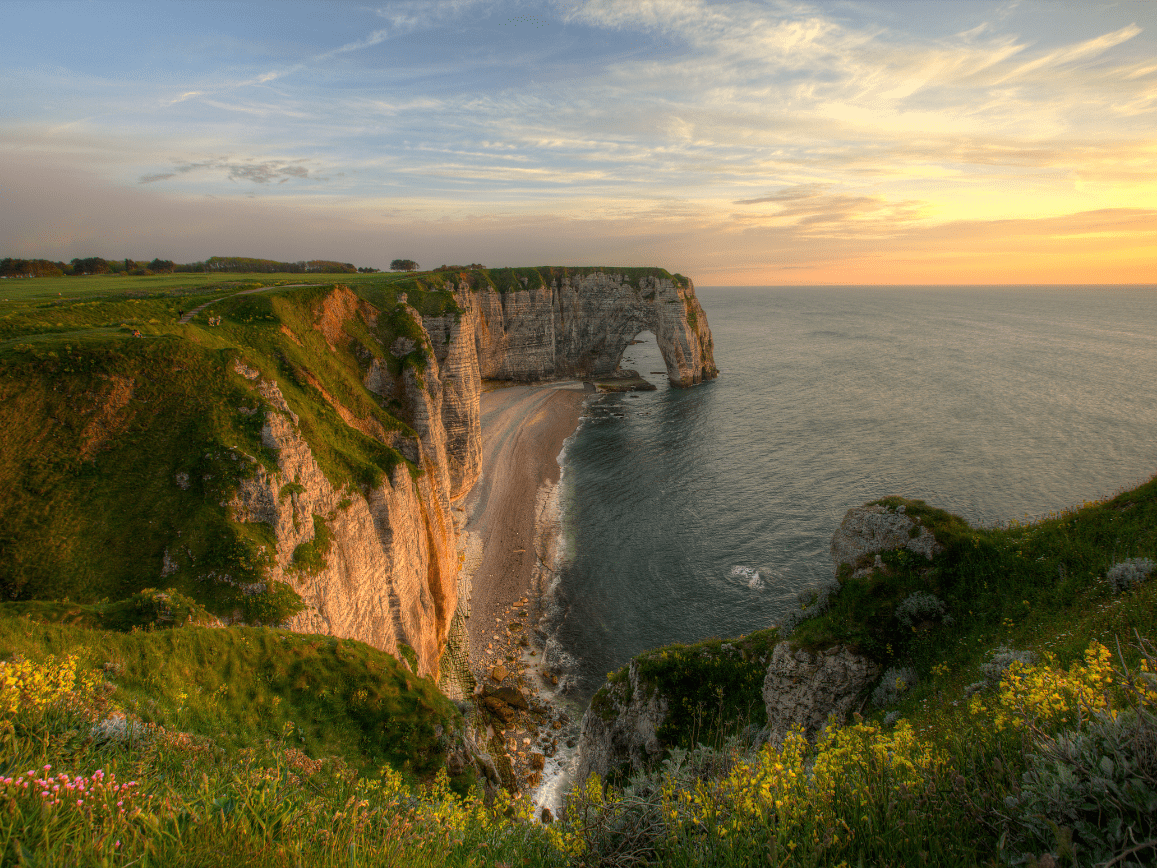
[[578, 323]]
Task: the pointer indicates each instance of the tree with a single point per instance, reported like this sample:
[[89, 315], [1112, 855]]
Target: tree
[[90, 265], [10, 267], [403, 265]]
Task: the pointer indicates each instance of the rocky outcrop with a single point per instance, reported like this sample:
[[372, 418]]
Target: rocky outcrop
[[804, 689], [578, 325], [869, 530], [621, 727]]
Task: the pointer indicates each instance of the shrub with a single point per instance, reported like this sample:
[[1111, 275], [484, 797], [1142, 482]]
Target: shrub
[[275, 605], [1090, 792], [894, 684], [921, 607], [1127, 574], [1001, 659]]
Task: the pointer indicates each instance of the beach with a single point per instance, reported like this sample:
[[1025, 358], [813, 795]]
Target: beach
[[523, 430], [509, 522]]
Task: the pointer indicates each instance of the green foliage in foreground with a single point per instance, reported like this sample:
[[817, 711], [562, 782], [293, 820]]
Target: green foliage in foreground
[[1040, 588], [1049, 763], [242, 685]]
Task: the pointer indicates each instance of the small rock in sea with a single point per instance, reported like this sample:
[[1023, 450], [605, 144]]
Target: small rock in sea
[[537, 761], [554, 679], [547, 817], [571, 742], [498, 672]]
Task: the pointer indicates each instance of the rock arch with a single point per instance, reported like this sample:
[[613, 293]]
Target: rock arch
[[579, 325]]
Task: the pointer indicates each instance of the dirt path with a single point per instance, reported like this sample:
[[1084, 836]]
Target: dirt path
[[188, 317]]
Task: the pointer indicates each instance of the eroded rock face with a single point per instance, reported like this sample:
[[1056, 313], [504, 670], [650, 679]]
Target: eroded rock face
[[459, 383], [621, 726], [868, 530], [390, 574], [580, 325], [804, 688]]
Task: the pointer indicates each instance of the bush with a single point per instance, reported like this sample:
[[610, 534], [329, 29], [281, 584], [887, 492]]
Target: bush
[[1091, 791], [275, 605], [1127, 574], [894, 684], [922, 607]]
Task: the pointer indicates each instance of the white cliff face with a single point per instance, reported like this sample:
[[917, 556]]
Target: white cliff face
[[391, 568], [868, 530], [805, 689], [390, 575], [579, 327], [460, 380], [621, 727]]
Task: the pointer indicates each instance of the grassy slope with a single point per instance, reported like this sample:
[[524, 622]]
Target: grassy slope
[[101, 426], [242, 685]]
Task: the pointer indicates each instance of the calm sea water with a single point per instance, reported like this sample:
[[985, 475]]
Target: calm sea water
[[703, 512]]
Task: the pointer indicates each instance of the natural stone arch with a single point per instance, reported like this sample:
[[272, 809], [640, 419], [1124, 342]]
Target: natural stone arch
[[579, 326]]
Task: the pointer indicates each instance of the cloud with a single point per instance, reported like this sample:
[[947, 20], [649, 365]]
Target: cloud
[[263, 172], [788, 194]]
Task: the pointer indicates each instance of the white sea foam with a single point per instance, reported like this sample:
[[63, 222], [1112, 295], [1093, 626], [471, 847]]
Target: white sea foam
[[749, 576]]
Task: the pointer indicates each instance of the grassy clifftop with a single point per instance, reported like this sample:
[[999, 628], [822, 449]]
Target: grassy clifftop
[[120, 447]]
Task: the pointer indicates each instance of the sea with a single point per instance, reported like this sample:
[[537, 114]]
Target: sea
[[692, 513]]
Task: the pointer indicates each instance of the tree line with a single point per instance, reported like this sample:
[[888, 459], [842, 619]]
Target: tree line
[[11, 267]]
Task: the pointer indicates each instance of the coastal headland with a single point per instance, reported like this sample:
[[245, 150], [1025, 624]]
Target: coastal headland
[[289, 454], [320, 456]]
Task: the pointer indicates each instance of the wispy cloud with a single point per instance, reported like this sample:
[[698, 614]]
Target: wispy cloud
[[263, 172], [734, 127]]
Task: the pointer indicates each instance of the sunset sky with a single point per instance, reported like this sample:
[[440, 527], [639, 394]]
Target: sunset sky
[[735, 142]]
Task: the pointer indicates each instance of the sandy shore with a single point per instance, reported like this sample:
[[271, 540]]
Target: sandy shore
[[523, 429]]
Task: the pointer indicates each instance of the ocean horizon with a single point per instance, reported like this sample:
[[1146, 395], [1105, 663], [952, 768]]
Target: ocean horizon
[[692, 513]]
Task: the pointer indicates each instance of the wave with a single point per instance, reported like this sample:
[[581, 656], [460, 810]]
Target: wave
[[749, 576]]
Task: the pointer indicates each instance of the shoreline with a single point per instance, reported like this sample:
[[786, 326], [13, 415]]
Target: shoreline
[[524, 428], [510, 525]]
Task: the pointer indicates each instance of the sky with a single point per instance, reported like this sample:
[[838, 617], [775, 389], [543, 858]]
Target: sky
[[743, 142]]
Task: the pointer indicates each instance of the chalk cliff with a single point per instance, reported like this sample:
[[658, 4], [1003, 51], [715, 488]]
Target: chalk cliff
[[388, 567], [556, 323], [313, 437]]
